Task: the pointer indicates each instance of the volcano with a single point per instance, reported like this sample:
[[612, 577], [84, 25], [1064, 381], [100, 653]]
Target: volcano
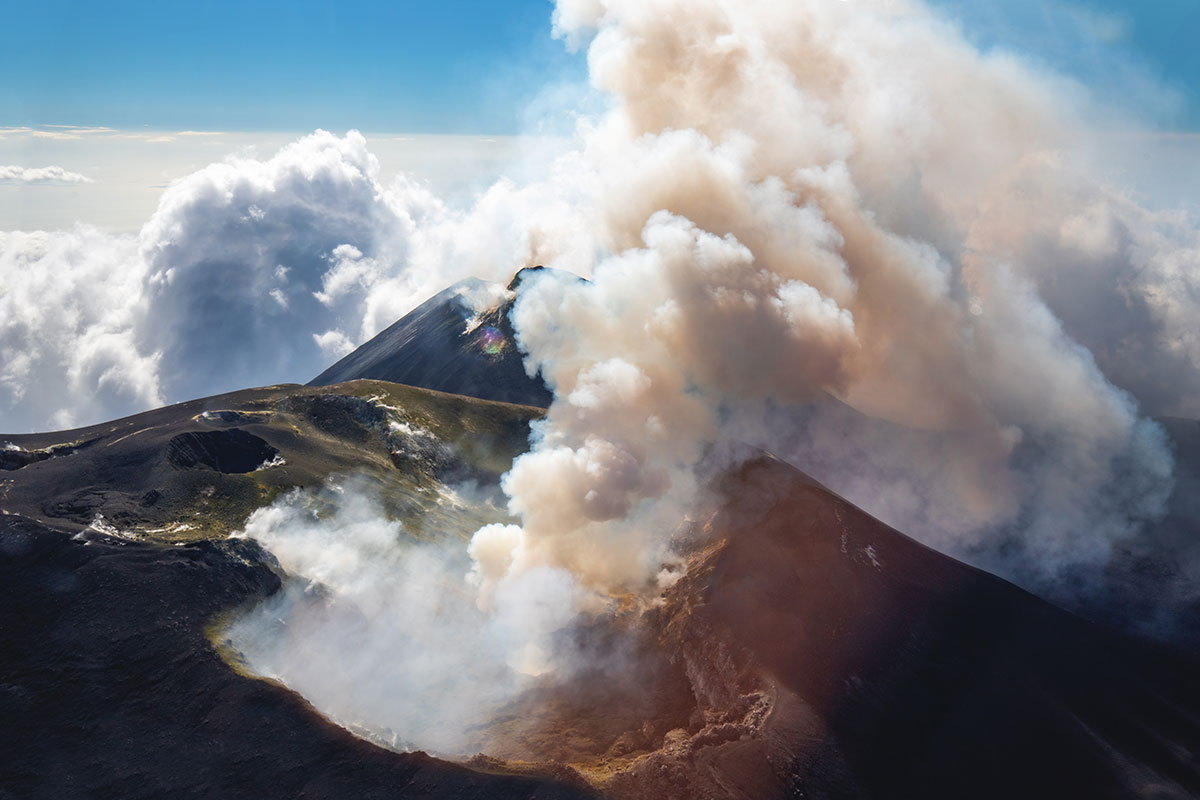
[[443, 344], [812, 651], [807, 650]]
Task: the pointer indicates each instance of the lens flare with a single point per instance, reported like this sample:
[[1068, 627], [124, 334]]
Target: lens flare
[[492, 341]]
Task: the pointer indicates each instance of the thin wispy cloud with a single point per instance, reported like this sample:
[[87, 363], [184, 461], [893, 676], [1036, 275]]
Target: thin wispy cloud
[[1101, 26], [61, 135], [149, 137], [82, 128], [171, 136], [48, 131], [77, 132], [52, 175]]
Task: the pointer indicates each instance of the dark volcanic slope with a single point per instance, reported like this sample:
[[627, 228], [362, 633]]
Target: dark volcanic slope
[[431, 347], [1153, 579], [808, 651], [826, 655], [897, 672], [109, 687], [114, 562]]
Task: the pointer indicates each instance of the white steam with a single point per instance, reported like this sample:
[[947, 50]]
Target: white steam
[[382, 632]]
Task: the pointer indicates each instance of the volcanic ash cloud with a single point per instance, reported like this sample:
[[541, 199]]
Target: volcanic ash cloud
[[826, 206]]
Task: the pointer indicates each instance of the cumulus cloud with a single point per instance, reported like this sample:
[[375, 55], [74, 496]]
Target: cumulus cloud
[[68, 348], [225, 286], [253, 272], [50, 175]]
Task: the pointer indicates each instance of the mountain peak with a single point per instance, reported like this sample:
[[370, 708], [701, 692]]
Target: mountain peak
[[445, 345]]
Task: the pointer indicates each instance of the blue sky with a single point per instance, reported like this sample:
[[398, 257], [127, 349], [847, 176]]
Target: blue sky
[[1141, 55], [449, 67], [458, 67]]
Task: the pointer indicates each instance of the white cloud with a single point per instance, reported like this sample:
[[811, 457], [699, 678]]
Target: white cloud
[[68, 351], [59, 132], [83, 128], [71, 132], [51, 175], [224, 287], [59, 135]]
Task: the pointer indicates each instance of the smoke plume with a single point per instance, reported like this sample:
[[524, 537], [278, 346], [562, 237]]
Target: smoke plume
[[839, 232]]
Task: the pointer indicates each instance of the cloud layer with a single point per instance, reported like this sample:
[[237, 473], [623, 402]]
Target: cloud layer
[[35, 175], [244, 270]]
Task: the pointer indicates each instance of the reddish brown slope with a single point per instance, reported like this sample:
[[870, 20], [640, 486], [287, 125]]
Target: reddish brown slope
[[907, 674], [825, 655]]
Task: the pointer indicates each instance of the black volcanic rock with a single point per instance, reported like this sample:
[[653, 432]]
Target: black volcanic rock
[[110, 687], [892, 671], [13, 458], [116, 569], [433, 347]]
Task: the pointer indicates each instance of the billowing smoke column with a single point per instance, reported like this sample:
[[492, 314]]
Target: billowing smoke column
[[839, 219]]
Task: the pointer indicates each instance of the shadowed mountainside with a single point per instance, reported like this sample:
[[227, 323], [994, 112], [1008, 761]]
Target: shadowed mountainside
[[110, 688], [434, 347], [114, 565], [829, 656]]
